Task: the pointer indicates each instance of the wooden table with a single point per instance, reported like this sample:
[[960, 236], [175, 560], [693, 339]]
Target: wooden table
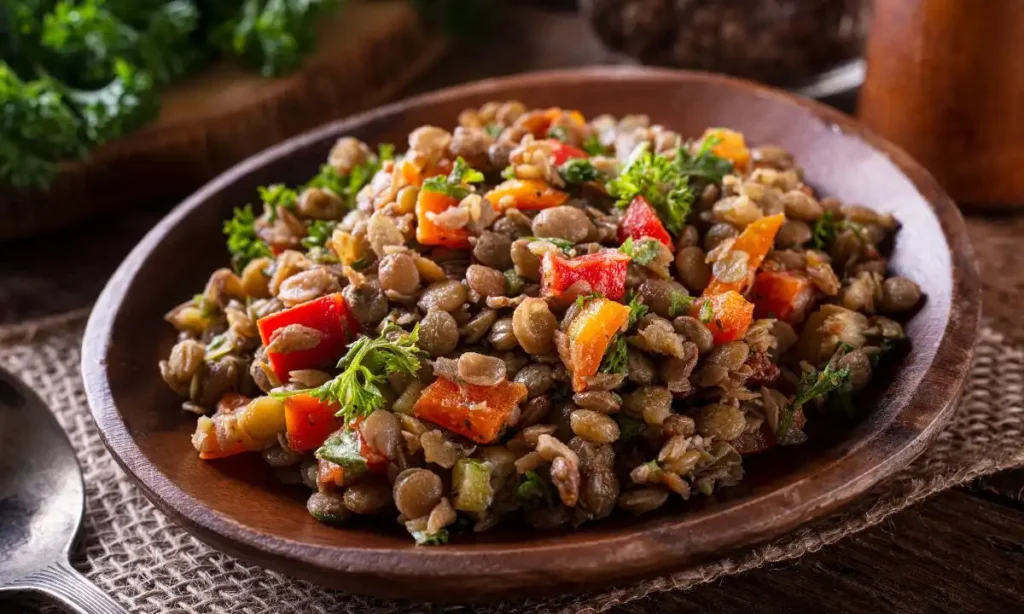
[[961, 551]]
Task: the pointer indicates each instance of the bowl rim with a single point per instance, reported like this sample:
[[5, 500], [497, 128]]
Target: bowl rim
[[887, 448]]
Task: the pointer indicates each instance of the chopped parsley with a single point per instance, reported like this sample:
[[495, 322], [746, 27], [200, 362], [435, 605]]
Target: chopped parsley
[[592, 145], [513, 282], [533, 491], [562, 244], [578, 170], [277, 195], [318, 234], [243, 243], [629, 428], [343, 448], [615, 358], [430, 539], [454, 184], [680, 304], [643, 252], [509, 172], [347, 187], [813, 384], [219, 347], [707, 312], [704, 164], [493, 129], [581, 300], [558, 133], [365, 368], [657, 179]]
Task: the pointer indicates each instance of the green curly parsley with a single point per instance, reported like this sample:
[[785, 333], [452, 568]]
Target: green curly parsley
[[455, 183], [657, 179], [243, 243], [813, 384]]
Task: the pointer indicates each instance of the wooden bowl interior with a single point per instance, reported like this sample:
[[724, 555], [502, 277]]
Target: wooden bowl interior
[[781, 489]]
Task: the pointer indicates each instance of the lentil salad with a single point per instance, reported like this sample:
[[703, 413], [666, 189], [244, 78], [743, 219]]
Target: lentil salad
[[533, 315]]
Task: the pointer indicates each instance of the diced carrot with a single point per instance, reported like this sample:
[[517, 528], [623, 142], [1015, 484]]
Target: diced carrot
[[429, 233], [731, 146], [309, 421], [785, 295], [525, 194], [477, 412], [589, 335], [727, 315], [605, 271], [756, 240], [329, 316]]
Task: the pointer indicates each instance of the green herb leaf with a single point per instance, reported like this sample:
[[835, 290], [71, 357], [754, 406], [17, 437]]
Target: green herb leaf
[[219, 347], [614, 360], [704, 164], [823, 233], [318, 233], [430, 539], [562, 244], [243, 244], [706, 313], [493, 130], [534, 491], [558, 133], [680, 304], [343, 448], [582, 299], [579, 170], [813, 384], [592, 145], [637, 310], [277, 195], [365, 368], [629, 428], [454, 185], [643, 252], [513, 282], [509, 172], [660, 181]]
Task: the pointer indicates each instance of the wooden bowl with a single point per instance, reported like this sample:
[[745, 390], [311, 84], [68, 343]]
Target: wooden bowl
[[238, 507]]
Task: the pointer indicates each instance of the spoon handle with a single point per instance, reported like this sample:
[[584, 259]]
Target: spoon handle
[[61, 582]]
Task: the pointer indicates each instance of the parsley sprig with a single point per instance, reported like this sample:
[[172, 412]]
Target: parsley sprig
[[659, 180], [704, 164], [579, 170], [365, 368], [455, 183], [813, 384], [615, 358], [643, 252], [243, 243]]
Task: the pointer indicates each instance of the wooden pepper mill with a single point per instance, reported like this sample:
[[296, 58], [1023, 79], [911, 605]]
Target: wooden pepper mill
[[945, 81]]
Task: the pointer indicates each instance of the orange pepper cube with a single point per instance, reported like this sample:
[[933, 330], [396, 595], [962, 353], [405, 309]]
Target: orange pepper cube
[[589, 335], [477, 412]]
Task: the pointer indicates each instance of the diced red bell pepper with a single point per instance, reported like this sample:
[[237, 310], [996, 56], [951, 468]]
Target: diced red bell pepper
[[786, 295], [329, 315], [430, 233], [756, 241], [561, 152], [309, 421], [477, 412], [605, 271], [727, 315], [641, 221]]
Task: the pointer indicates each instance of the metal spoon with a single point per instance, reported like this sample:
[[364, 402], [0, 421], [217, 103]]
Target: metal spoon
[[42, 500]]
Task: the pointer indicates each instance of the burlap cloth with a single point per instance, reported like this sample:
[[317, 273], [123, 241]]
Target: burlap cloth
[[136, 554]]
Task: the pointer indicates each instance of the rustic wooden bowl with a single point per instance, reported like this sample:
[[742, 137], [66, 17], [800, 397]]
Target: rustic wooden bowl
[[238, 507]]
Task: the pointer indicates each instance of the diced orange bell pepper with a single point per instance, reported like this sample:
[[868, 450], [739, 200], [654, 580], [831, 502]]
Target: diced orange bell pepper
[[539, 122], [589, 335], [309, 421], [756, 240], [328, 315], [415, 176], [728, 317], [731, 146], [785, 295], [477, 412], [525, 194], [429, 233]]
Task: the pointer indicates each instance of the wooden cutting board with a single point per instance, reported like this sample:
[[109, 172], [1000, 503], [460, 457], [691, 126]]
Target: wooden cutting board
[[367, 53]]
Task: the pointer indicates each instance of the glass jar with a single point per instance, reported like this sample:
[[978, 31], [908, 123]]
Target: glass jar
[[783, 42]]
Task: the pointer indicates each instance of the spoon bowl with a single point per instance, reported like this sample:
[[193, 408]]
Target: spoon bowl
[[42, 501]]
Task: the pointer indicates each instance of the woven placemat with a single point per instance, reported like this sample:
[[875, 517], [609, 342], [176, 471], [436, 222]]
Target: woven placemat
[[132, 551]]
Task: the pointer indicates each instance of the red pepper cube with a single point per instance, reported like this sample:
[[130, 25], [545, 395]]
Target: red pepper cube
[[309, 421], [328, 315], [640, 221], [476, 412], [375, 461], [605, 271], [562, 152]]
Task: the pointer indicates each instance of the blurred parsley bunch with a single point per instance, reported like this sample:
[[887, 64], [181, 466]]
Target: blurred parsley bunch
[[77, 73]]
